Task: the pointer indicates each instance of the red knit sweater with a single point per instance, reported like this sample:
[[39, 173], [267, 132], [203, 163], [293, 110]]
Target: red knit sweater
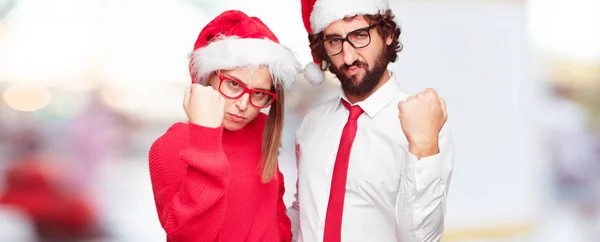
[[207, 186]]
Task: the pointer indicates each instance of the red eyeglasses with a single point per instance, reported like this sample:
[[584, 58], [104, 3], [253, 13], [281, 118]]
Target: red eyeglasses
[[233, 89]]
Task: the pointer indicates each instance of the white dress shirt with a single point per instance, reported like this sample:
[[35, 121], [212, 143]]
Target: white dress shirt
[[390, 194]]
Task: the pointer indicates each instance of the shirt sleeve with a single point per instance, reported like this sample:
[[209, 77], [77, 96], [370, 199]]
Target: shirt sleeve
[[421, 203], [293, 211]]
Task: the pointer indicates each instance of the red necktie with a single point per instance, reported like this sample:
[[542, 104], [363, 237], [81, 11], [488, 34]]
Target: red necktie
[[335, 208]]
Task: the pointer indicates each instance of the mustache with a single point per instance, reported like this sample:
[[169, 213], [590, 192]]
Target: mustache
[[356, 63]]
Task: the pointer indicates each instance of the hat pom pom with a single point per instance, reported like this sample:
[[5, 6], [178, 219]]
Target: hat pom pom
[[314, 74]]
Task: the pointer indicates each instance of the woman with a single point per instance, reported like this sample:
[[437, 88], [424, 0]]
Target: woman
[[216, 178]]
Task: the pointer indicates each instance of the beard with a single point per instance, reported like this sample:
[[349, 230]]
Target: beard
[[354, 86]]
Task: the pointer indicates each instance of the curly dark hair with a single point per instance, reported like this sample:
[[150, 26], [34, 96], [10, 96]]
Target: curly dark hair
[[386, 26]]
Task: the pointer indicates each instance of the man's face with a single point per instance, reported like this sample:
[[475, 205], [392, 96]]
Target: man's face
[[358, 68]]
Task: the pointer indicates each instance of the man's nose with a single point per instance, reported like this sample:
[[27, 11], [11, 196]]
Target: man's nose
[[349, 53]]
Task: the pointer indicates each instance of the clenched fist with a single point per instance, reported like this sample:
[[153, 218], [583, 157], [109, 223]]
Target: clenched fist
[[422, 117], [204, 106]]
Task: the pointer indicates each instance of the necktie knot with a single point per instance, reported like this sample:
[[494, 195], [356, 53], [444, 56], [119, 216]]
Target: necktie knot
[[355, 111]]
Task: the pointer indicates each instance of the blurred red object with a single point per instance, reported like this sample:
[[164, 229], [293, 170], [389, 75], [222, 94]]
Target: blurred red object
[[42, 192]]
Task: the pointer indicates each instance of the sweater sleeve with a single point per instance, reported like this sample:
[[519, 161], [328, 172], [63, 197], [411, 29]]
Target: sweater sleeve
[[189, 180], [285, 225]]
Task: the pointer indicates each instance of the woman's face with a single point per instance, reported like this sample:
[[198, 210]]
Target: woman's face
[[241, 110]]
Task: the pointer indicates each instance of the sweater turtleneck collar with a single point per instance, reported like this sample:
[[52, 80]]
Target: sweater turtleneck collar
[[247, 135]]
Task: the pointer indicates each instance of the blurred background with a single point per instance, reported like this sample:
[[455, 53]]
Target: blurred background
[[86, 86]]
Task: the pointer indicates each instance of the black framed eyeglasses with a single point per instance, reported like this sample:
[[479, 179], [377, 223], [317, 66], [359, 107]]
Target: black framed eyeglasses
[[358, 38]]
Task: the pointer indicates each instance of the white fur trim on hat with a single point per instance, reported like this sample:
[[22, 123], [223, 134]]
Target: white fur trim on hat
[[326, 12], [233, 52], [313, 73]]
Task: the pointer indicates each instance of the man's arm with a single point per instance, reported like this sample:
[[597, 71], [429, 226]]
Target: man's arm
[[421, 203], [293, 212], [426, 167]]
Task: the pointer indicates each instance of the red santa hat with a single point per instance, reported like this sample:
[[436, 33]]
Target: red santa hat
[[232, 40], [318, 14]]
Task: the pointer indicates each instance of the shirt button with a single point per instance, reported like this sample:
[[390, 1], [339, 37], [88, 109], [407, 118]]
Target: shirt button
[[321, 226]]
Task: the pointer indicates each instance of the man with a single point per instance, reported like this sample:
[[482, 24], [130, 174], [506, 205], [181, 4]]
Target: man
[[376, 155]]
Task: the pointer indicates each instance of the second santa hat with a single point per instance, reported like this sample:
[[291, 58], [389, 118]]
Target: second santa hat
[[318, 14], [233, 40]]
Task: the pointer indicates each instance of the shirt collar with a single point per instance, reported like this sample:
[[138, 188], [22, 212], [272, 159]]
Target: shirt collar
[[379, 99]]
